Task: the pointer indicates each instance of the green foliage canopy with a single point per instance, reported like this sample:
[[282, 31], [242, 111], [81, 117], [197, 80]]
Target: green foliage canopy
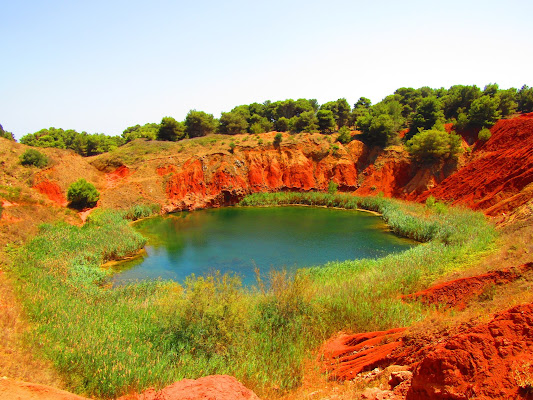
[[458, 99], [6, 134], [82, 143], [340, 109], [305, 122], [525, 99], [170, 130], [428, 113], [345, 135], [433, 145], [34, 157], [282, 124], [484, 111], [377, 130], [232, 123], [199, 123], [147, 131], [82, 194], [326, 120]]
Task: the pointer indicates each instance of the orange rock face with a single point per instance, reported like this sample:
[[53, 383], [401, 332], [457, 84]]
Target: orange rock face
[[347, 355], [497, 179], [114, 177], [52, 191], [457, 293], [222, 179], [485, 362]]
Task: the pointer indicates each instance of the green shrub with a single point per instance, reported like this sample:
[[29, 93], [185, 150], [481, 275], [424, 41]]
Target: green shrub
[[232, 146], [430, 201], [34, 157], [139, 211], [433, 145], [462, 122], [344, 135], [82, 194], [277, 139], [484, 135], [332, 187]]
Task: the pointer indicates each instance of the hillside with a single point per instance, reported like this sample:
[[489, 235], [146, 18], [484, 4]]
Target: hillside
[[495, 177], [205, 172]]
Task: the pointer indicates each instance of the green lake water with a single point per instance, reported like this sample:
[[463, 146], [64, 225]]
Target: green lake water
[[239, 239]]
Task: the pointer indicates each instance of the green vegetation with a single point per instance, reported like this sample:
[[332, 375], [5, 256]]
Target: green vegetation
[[326, 121], [377, 130], [484, 111], [82, 194], [525, 99], [408, 109], [170, 130], [82, 143], [199, 123], [34, 157], [345, 136], [107, 341], [6, 134], [147, 131], [340, 110], [233, 123], [139, 211], [332, 187], [277, 139], [433, 145], [428, 114], [484, 135]]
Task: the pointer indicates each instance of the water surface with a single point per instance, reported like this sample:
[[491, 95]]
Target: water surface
[[237, 240]]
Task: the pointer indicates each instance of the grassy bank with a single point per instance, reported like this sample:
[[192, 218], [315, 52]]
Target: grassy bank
[[107, 342]]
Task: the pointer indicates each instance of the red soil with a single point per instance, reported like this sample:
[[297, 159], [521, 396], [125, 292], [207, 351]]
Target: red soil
[[496, 180], [390, 179], [509, 342], [112, 178], [52, 191], [459, 292], [489, 361], [347, 355], [481, 363], [213, 387], [219, 179], [161, 171]]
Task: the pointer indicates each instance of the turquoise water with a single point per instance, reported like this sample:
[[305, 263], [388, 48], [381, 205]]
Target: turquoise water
[[237, 240]]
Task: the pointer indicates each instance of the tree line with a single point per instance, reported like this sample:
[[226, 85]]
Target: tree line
[[417, 111]]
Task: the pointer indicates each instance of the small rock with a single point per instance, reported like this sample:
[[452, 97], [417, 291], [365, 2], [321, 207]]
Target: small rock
[[398, 377]]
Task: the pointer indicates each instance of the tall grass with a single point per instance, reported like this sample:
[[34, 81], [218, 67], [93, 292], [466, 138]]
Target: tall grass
[[107, 342]]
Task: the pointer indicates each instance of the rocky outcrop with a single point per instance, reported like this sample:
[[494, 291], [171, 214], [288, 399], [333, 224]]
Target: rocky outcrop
[[490, 361], [499, 178], [459, 292], [345, 356], [52, 191]]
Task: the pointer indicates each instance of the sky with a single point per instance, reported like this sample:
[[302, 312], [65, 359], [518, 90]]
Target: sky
[[102, 66]]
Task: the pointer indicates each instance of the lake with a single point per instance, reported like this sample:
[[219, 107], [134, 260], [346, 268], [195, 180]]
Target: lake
[[239, 239]]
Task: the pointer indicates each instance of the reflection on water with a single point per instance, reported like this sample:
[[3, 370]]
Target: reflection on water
[[237, 240]]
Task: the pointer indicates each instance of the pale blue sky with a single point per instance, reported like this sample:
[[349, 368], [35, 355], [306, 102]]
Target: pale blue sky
[[101, 66]]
